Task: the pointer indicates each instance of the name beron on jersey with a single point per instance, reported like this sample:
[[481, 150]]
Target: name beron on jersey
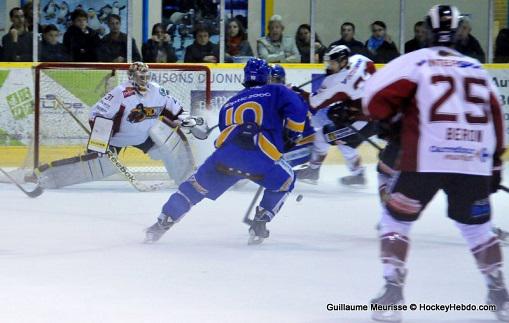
[[462, 134]]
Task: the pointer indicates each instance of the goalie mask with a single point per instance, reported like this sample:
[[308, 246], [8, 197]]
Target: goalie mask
[[336, 59], [138, 75]]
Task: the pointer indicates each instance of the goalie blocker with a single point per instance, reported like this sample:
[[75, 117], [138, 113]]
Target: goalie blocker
[[166, 142]]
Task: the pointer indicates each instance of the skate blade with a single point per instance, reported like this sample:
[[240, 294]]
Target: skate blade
[[356, 185], [254, 240], [149, 240], [387, 316]]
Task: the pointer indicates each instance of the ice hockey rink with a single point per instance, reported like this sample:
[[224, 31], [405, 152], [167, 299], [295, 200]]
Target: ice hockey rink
[[76, 255]]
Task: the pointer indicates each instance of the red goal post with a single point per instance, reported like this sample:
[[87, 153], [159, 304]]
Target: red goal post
[[80, 85]]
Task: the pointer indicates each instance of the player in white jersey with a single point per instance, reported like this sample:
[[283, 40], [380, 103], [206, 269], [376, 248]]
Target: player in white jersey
[[136, 107], [452, 140], [339, 95]]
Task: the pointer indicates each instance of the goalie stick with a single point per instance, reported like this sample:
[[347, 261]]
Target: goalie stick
[[38, 190], [140, 186]]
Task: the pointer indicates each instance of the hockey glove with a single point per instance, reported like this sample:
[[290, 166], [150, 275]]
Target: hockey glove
[[496, 179], [342, 114], [200, 131], [304, 94], [388, 130], [290, 139]]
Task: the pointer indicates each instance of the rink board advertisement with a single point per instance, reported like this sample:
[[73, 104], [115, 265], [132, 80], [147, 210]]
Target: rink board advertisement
[[17, 98]]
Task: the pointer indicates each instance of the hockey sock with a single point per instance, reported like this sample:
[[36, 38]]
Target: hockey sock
[[394, 248], [485, 248], [316, 160]]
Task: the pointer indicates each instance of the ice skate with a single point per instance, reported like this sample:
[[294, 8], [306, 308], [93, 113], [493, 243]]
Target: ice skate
[[157, 230], [258, 230], [503, 236], [308, 175], [354, 180], [391, 295], [498, 296]]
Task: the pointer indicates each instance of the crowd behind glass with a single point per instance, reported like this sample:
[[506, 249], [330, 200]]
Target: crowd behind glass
[[81, 43]]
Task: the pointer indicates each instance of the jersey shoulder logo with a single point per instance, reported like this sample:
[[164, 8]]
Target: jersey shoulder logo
[[163, 91]]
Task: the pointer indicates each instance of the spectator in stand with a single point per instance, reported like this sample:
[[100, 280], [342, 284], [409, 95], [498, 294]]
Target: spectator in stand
[[17, 42], [466, 43], [276, 48], [419, 40], [236, 43], [1, 54], [81, 41], [347, 39], [380, 46], [113, 46], [202, 50], [158, 49], [28, 11], [302, 39], [502, 46], [50, 50]]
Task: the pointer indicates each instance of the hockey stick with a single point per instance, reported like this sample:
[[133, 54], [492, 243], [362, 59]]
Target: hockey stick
[[33, 193], [246, 218], [140, 186], [209, 130], [364, 138], [310, 81]]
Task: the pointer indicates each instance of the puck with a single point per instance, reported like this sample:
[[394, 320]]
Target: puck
[[299, 198]]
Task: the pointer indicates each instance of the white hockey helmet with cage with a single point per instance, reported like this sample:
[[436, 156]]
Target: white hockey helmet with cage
[[138, 74]]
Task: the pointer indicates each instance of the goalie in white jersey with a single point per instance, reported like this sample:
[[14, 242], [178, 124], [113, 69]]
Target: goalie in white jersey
[[136, 113], [337, 107], [452, 140]]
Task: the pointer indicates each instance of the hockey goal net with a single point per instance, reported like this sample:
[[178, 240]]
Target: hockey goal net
[[78, 86]]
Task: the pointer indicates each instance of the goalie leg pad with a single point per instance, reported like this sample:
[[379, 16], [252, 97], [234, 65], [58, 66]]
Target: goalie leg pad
[[76, 170], [171, 146]]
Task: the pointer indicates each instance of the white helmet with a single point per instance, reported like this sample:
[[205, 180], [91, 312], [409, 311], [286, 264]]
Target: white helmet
[[138, 74], [337, 53]]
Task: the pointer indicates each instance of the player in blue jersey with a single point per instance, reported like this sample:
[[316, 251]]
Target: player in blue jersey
[[256, 125], [300, 154]]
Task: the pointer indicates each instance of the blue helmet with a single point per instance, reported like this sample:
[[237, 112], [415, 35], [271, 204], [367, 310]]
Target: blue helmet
[[256, 72], [277, 74]]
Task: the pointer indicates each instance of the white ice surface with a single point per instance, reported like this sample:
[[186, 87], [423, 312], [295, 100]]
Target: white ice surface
[[75, 255]]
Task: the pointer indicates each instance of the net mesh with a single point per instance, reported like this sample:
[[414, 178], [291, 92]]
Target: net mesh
[[78, 89]]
